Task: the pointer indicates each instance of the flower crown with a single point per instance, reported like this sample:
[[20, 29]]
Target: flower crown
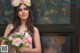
[[16, 3]]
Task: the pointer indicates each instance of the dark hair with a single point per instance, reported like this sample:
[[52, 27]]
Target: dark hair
[[17, 22]]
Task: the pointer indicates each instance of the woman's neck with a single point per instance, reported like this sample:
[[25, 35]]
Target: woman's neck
[[23, 22], [22, 27]]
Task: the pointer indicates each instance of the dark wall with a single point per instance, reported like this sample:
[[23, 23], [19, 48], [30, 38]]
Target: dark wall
[[2, 29]]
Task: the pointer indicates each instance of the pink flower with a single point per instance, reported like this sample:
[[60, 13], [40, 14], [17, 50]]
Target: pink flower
[[16, 41], [12, 2], [29, 40], [21, 1], [24, 39]]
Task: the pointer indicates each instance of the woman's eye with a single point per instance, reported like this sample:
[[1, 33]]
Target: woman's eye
[[26, 8], [23, 9], [20, 9]]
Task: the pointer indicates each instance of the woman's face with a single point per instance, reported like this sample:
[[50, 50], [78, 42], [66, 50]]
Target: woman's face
[[23, 12]]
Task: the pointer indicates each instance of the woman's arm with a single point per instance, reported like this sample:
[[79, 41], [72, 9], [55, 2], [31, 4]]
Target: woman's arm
[[7, 31], [37, 43]]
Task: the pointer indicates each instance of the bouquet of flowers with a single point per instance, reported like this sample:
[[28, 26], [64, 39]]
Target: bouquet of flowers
[[18, 40]]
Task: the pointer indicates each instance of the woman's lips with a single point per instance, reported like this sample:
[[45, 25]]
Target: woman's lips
[[23, 15]]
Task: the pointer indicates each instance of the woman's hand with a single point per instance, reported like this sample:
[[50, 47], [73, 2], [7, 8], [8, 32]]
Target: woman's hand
[[22, 49]]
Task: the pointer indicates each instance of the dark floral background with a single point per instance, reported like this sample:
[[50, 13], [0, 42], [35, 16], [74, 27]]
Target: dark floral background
[[6, 11], [52, 11]]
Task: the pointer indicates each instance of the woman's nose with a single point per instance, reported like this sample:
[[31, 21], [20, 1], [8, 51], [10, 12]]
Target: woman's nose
[[23, 11]]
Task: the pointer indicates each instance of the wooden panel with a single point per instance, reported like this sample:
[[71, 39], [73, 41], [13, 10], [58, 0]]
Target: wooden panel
[[56, 42]]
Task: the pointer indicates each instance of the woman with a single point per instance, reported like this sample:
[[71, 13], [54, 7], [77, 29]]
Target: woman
[[23, 22]]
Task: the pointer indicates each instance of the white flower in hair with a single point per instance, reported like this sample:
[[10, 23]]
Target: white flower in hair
[[16, 2], [27, 2]]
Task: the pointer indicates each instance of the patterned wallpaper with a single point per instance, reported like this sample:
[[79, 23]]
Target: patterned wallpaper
[[52, 11], [6, 12]]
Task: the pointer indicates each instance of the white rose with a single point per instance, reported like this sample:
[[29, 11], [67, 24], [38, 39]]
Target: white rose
[[16, 41]]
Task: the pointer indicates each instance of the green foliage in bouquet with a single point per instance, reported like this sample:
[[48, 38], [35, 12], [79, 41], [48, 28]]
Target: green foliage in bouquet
[[7, 42]]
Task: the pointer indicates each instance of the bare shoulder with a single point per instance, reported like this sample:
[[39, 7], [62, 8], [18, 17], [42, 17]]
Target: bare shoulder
[[8, 29], [36, 29], [10, 26], [36, 32]]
